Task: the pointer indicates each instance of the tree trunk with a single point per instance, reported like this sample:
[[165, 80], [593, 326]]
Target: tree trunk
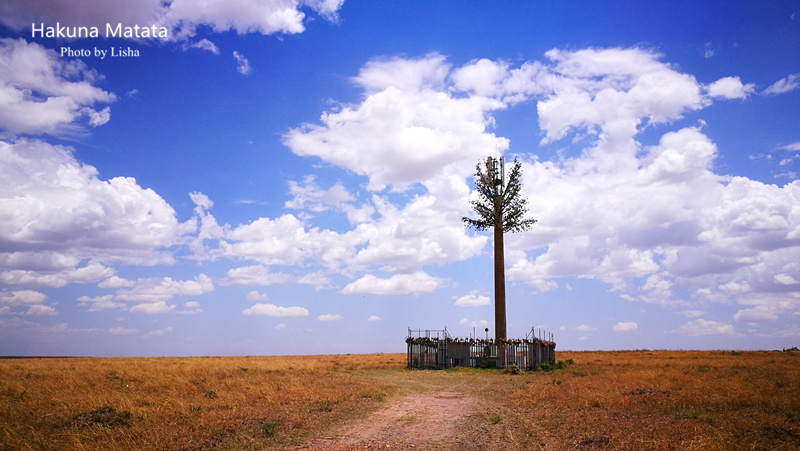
[[499, 284]]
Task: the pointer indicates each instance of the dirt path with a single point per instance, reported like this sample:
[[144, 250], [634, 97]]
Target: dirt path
[[435, 420]]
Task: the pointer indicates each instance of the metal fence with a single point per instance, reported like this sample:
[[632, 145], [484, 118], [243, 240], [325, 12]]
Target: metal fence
[[436, 349]]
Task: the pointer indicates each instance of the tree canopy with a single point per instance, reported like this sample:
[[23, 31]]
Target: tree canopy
[[491, 189]]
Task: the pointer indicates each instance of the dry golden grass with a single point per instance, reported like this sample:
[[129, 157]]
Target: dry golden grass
[[606, 400], [182, 403]]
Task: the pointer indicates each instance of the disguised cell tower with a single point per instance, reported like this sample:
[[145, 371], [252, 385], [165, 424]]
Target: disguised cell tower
[[500, 206]]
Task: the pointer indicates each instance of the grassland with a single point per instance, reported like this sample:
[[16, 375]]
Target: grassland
[[710, 400]]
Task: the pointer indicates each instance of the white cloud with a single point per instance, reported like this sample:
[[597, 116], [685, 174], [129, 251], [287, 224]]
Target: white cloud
[[625, 326], [205, 44], [255, 275], [116, 282], [40, 310], [242, 63], [281, 326], [58, 275], [701, 327], [158, 332], [692, 313], [123, 331], [99, 303], [416, 283], [784, 85], [479, 323], [55, 208], [785, 279], [588, 328], [374, 318], [309, 196], [329, 317], [21, 297], [153, 308], [43, 93], [614, 89], [408, 130], [730, 88], [280, 241], [160, 290], [473, 299], [183, 17], [794, 147], [757, 314], [275, 311], [659, 213], [254, 296]]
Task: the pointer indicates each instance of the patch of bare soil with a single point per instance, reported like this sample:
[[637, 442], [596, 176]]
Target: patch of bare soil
[[437, 420]]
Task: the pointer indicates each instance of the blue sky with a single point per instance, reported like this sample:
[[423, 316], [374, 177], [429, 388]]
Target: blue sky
[[281, 178]]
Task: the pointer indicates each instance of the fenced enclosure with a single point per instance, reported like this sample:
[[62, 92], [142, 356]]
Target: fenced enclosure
[[436, 349]]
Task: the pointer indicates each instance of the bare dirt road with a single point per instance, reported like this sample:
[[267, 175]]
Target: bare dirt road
[[432, 420]]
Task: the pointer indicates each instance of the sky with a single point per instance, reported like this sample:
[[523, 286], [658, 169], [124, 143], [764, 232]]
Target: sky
[[274, 177]]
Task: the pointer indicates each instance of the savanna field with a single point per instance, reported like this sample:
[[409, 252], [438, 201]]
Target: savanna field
[[704, 400]]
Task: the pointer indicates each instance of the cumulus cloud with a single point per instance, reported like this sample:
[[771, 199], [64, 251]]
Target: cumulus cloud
[[151, 294], [784, 85], [123, 330], [275, 311], [43, 93], [254, 296], [153, 308], [374, 318], [309, 196], [55, 213], [183, 17], [416, 283], [730, 88], [473, 299], [25, 302], [99, 303], [625, 326], [479, 323], [659, 214], [329, 317], [255, 275], [701, 327], [40, 310], [408, 130]]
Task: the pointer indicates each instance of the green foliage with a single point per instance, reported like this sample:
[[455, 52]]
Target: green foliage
[[497, 201], [325, 406], [268, 429], [511, 369], [487, 362], [495, 419], [373, 395], [559, 365], [211, 394], [244, 370]]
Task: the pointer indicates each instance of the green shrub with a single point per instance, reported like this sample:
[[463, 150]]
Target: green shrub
[[268, 429]]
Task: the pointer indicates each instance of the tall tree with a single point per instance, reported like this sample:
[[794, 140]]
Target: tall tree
[[499, 205]]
